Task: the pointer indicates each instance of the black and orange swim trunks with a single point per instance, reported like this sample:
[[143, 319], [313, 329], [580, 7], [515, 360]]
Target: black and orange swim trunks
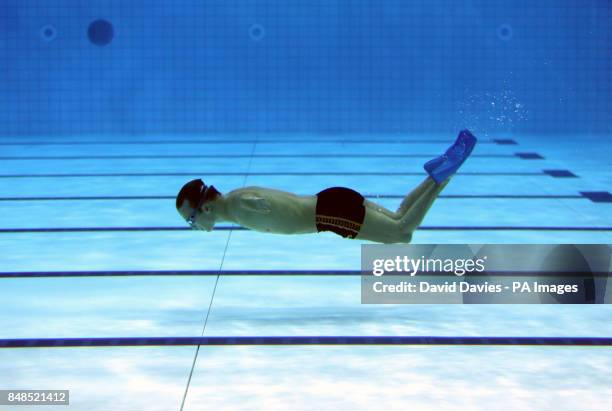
[[340, 210]]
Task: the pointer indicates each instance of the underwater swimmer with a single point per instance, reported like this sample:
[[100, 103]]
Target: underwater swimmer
[[337, 209]]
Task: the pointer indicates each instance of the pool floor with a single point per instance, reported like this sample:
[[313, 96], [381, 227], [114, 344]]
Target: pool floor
[[105, 205]]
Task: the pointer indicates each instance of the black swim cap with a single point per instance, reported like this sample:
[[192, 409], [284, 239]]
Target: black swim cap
[[193, 192]]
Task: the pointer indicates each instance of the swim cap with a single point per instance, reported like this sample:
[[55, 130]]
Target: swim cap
[[196, 192]]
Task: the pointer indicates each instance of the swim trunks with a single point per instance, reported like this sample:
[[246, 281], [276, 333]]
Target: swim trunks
[[341, 210]]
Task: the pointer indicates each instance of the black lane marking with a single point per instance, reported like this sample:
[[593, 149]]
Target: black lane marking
[[274, 273], [302, 340], [505, 142], [598, 196], [560, 173], [374, 196], [193, 173], [529, 156], [226, 228]]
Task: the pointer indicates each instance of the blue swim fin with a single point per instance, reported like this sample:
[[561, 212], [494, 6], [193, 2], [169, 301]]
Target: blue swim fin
[[444, 166]]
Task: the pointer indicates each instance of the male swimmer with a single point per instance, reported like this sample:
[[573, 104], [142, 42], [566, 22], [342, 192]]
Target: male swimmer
[[337, 209]]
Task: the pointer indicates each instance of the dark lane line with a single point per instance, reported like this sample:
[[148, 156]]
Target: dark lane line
[[209, 173], [373, 196], [302, 340], [226, 228], [274, 273], [258, 141], [175, 156]]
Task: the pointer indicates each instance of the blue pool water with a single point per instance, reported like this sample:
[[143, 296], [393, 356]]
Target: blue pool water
[[99, 129]]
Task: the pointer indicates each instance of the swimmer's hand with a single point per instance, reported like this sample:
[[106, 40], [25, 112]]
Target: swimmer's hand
[[253, 202]]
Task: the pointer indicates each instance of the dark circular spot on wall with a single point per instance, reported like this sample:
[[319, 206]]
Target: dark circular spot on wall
[[48, 33], [100, 32], [505, 32], [257, 32]]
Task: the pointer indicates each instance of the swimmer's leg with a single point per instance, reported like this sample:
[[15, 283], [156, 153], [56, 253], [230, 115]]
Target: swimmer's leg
[[415, 194], [406, 202], [385, 226], [381, 225], [414, 215], [416, 205]]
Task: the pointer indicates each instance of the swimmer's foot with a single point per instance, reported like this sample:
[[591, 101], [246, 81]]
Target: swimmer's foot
[[441, 168]]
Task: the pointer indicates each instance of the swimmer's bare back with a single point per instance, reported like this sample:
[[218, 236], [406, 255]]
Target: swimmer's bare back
[[272, 211], [337, 209]]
